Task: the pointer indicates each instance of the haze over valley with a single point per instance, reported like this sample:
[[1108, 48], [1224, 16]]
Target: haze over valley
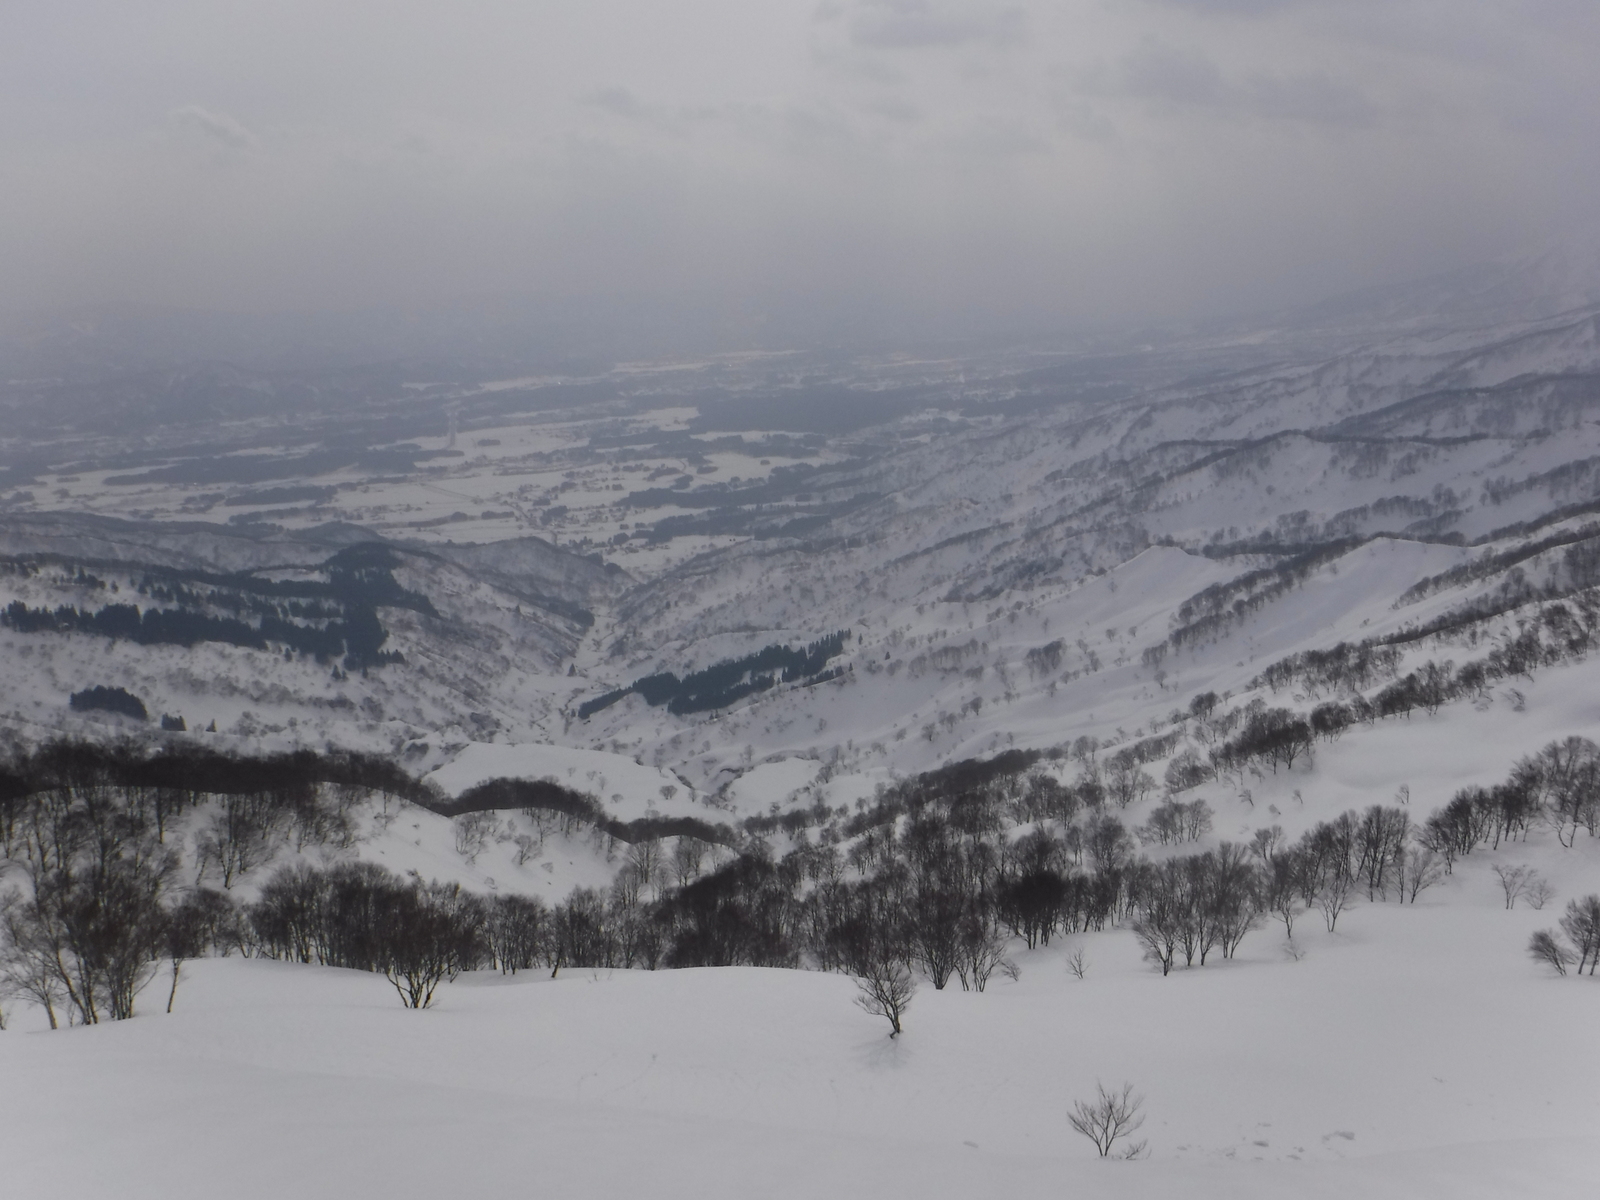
[[948, 599]]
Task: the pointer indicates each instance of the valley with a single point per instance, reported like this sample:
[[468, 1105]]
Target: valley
[[705, 665]]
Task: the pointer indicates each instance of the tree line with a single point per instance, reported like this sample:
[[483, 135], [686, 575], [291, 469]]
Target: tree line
[[932, 881], [727, 682], [339, 621], [103, 890]]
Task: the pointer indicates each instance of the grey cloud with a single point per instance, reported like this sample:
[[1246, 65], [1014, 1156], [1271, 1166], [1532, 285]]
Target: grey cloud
[[919, 24], [1248, 8], [1159, 72], [216, 127], [619, 102], [1078, 118], [1189, 80], [893, 108], [997, 137], [958, 161], [1312, 98]]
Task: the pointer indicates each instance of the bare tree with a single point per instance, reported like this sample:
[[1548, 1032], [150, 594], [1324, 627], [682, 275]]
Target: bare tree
[[240, 836], [885, 990], [188, 931], [1380, 841], [517, 928], [1538, 893], [473, 831], [1514, 881], [1128, 784], [1333, 895], [1077, 964], [433, 933], [1566, 778], [1581, 924], [1266, 843], [1418, 870], [1109, 1118], [938, 909], [1544, 948], [30, 963], [648, 860], [688, 857], [1281, 885], [1232, 894], [983, 948], [1159, 926]]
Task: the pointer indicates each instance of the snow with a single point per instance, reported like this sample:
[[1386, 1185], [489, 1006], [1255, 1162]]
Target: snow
[[421, 842], [772, 783], [1416, 1053], [627, 790]]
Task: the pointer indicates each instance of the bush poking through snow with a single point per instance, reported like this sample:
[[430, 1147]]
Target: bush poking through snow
[[885, 991], [435, 934], [1109, 1118]]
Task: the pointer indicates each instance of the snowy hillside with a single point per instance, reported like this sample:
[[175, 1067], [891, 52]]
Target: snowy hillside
[[1024, 673], [1375, 1060], [1335, 1075]]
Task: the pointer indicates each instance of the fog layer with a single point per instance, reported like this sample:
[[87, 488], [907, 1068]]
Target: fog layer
[[923, 166]]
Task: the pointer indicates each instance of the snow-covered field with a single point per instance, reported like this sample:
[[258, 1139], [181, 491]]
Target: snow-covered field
[[1415, 1053]]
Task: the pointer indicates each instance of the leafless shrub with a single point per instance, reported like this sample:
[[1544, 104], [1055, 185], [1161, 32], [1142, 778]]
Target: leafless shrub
[[885, 990], [1514, 881], [1538, 893], [1419, 870], [1110, 1118], [473, 831]]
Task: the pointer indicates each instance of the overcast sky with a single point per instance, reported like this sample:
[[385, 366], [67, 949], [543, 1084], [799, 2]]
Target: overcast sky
[[941, 160]]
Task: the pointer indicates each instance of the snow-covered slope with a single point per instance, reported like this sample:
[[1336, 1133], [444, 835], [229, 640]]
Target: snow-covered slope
[[1415, 1054], [1108, 575], [957, 537]]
